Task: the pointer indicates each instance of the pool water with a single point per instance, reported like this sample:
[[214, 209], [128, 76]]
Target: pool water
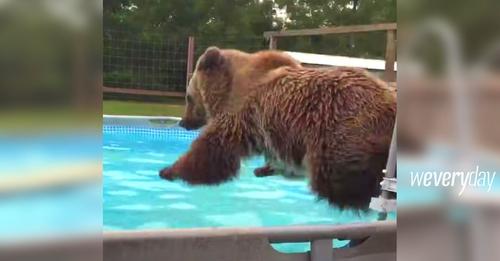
[[136, 198]]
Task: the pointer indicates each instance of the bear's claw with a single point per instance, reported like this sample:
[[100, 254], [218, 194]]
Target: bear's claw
[[167, 173]]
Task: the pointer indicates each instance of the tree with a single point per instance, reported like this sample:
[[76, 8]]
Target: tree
[[318, 13], [153, 24]]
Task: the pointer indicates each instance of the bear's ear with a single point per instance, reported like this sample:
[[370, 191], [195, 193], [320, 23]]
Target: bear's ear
[[212, 59]]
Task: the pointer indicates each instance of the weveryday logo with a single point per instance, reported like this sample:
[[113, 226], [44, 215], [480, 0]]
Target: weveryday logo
[[473, 178]]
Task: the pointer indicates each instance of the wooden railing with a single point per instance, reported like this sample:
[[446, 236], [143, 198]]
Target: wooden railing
[[390, 50], [140, 91]]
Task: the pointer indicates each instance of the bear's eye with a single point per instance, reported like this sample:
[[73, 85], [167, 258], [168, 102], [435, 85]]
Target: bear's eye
[[189, 99]]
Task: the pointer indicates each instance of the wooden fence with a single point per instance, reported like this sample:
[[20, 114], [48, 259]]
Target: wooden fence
[[163, 68], [273, 36], [390, 50]]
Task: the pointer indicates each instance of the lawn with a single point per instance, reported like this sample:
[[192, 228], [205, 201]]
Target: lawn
[[171, 108]]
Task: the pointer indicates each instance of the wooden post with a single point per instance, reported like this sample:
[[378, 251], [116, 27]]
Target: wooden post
[[390, 56], [190, 59], [273, 42]]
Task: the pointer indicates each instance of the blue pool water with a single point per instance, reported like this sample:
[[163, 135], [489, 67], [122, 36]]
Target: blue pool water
[[136, 198]]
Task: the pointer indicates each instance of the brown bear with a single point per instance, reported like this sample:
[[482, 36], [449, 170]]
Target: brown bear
[[246, 71], [336, 124]]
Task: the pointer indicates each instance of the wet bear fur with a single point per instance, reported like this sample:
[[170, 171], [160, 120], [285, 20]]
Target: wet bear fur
[[335, 124]]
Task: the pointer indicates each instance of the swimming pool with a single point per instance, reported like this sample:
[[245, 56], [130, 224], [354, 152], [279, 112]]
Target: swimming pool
[[134, 197]]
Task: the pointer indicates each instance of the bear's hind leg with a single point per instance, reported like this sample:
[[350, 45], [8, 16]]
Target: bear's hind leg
[[348, 183]]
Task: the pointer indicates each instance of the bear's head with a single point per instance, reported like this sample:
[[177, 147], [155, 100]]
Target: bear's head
[[208, 88], [223, 78]]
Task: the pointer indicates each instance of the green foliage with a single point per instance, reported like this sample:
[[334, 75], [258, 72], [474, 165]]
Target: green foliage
[[238, 24], [179, 18], [319, 13], [118, 76]]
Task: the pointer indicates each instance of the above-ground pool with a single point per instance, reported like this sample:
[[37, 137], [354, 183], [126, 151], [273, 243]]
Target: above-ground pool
[[136, 198]]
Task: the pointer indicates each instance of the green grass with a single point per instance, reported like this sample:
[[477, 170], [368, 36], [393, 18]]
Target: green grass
[[170, 108]]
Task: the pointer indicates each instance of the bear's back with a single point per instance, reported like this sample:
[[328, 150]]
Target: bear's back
[[338, 101], [251, 70]]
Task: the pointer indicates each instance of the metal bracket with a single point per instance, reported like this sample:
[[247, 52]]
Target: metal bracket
[[389, 184]]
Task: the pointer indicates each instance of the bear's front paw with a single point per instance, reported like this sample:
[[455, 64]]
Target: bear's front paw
[[168, 174]]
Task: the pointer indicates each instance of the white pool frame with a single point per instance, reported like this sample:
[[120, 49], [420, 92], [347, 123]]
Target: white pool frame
[[376, 240], [143, 121]]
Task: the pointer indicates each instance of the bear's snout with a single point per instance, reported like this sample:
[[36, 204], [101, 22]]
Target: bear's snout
[[182, 124], [191, 124]]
